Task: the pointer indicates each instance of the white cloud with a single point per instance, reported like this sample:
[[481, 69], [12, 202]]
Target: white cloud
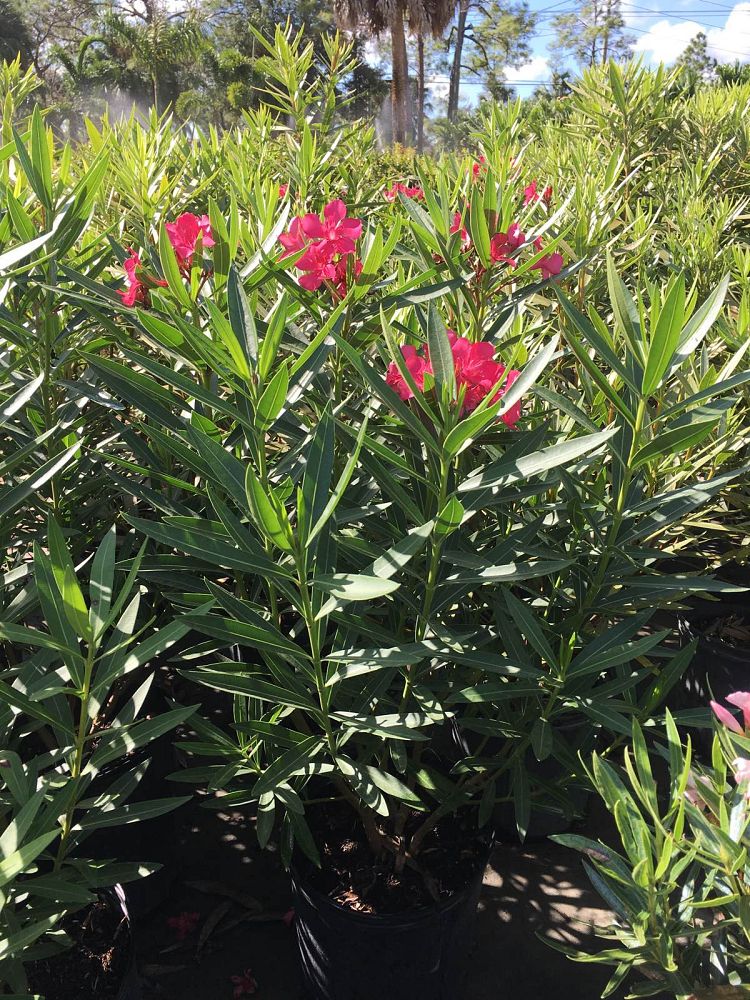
[[733, 40], [638, 18], [665, 40], [535, 69]]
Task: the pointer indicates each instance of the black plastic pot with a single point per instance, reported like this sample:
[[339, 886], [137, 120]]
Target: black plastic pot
[[129, 986], [717, 667], [151, 840], [417, 955]]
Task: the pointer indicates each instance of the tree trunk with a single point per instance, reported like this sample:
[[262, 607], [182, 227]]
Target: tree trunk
[[420, 94], [400, 78], [455, 81]]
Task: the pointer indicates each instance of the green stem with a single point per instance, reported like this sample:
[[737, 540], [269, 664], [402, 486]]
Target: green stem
[[80, 743]]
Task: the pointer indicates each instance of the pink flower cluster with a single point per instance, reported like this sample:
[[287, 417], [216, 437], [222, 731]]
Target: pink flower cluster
[[137, 282], [741, 765], [391, 194], [504, 247], [477, 374], [531, 194], [478, 167], [326, 243], [183, 234], [183, 924]]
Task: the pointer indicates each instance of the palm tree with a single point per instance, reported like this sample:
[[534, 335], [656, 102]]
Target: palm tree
[[377, 16]]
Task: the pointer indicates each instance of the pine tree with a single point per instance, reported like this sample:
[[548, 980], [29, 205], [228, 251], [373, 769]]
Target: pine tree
[[695, 61], [592, 34]]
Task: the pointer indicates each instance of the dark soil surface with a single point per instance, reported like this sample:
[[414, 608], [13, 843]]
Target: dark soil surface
[[450, 859], [226, 932], [95, 967]]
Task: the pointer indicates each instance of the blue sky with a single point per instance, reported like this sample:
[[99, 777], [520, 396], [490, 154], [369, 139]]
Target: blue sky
[[661, 30]]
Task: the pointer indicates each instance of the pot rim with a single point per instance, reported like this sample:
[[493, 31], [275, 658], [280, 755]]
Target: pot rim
[[404, 918]]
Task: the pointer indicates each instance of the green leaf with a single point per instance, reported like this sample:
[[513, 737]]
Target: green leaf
[[241, 317], [171, 270], [508, 471], [684, 432], [441, 355], [22, 858], [132, 812], [272, 401], [665, 336], [269, 513], [354, 586], [449, 518]]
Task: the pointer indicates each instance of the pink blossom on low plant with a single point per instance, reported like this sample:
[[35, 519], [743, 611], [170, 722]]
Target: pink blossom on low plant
[[137, 289], [741, 700], [288, 918], [726, 718], [550, 265], [392, 194], [183, 235], [317, 261], [417, 365], [326, 243], [502, 245], [477, 373], [741, 767], [283, 188], [335, 228], [457, 226], [530, 193], [547, 194], [478, 166]]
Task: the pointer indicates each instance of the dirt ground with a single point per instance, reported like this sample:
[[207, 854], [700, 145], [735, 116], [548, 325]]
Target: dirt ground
[[229, 907]]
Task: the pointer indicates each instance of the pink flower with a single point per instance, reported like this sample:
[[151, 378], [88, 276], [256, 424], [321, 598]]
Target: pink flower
[[340, 277], [408, 192], [340, 232], [288, 918], [477, 373], [183, 235], [691, 790], [417, 366], [137, 290], [283, 188], [550, 265], [317, 261], [457, 226], [502, 245], [547, 194], [726, 718], [294, 240], [741, 767], [530, 193], [741, 700], [478, 167], [184, 924], [245, 985], [326, 243]]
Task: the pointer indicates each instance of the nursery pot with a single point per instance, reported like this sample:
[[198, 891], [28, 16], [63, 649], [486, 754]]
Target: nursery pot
[[718, 667], [421, 953], [151, 840], [70, 975]]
